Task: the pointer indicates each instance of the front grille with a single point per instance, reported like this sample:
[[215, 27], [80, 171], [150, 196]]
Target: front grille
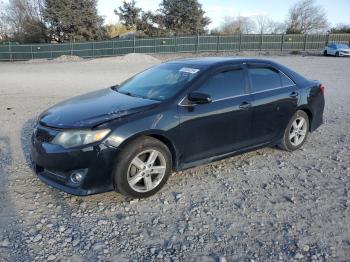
[[55, 175]]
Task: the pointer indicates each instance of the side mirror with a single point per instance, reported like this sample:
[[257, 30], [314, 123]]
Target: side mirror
[[199, 98]]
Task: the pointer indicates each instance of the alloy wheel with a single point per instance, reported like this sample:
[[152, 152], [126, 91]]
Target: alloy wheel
[[146, 171], [298, 131]]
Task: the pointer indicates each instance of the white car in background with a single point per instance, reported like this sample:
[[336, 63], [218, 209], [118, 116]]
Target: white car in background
[[337, 50]]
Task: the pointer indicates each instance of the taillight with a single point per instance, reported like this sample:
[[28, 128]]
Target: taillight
[[322, 88]]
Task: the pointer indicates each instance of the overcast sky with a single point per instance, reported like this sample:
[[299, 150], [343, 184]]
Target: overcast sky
[[338, 11]]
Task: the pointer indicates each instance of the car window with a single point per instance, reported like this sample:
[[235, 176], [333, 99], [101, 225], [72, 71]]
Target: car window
[[160, 82], [225, 84], [264, 78], [286, 81], [342, 46]]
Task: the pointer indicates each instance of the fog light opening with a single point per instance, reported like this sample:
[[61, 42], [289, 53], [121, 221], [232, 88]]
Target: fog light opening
[[76, 177]]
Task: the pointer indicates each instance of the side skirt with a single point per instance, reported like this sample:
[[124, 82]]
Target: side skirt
[[223, 156]]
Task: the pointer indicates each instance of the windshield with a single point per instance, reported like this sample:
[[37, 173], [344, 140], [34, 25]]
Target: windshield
[[160, 82], [342, 46]]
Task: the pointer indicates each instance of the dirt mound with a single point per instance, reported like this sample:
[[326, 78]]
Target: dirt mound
[[139, 58], [68, 58]]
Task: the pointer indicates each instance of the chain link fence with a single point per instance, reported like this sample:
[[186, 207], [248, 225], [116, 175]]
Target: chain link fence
[[206, 43]]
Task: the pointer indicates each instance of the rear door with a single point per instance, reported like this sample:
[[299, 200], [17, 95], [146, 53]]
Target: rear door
[[274, 99], [221, 126]]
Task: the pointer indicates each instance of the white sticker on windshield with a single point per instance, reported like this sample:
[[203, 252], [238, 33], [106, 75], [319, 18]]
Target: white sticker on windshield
[[189, 70]]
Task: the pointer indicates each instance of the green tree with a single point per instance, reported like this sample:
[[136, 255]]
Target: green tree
[[73, 20], [151, 24], [183, 17], [129, 14]]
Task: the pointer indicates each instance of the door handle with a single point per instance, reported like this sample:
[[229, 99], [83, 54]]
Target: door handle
[[294, 94], [245, 105]]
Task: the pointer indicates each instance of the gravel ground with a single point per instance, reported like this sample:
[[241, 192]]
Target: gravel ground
[[266, 205]]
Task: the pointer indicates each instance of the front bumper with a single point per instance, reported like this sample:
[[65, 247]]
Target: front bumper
[[54, 165]]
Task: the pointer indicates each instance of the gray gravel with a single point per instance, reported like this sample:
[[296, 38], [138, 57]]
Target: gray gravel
[[265, 205]]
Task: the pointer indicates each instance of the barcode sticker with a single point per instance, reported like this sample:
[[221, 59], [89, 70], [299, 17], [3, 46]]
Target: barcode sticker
[[189, 70]]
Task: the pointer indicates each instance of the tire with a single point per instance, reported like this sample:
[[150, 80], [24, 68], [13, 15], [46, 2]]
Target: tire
[[133, 167], [325, 53], [294, 138], [337, 54]]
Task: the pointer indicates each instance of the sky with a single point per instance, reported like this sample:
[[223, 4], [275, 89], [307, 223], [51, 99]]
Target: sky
[[338, 11]]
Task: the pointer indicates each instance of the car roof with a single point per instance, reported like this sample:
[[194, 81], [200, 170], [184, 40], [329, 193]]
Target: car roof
[[217, 61], [207, 63]]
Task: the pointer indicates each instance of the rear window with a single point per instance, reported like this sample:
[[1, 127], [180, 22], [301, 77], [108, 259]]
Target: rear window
[[264, 78]]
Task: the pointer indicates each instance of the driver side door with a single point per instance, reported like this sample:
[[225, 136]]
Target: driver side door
[[222, 125]]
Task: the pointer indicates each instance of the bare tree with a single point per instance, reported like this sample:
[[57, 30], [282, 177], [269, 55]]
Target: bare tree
[[238, 25], [276, 27], [263, 24], [23, 20], [4, 30], [306, 17]]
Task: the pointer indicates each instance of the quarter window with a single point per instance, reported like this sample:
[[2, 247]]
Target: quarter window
[[264, 79], [225, 84], [286, 81]]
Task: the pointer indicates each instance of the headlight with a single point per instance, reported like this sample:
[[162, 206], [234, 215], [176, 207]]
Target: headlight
[[69, 139]]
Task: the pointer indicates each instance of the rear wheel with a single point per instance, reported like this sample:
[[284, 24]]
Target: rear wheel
[[325, 53], [296, 132], [142, 168]]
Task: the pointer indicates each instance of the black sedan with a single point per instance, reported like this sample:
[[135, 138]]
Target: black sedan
[[173, 116]]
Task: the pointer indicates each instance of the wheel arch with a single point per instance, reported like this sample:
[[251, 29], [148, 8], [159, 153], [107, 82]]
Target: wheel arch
[[159, 135], [309, 114]]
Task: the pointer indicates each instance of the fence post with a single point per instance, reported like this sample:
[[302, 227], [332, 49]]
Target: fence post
[[240, 43], [31, 51], [134, 43], [327, 39], [305, 40], [113, 53], [71, 47], [261, 41], [217, 43], [282, 40], [51, 55], [155, 45], [197, 44], [10, 50], [175, 47], [93, 49]]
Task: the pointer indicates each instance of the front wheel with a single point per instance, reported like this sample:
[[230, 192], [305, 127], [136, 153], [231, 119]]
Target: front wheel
[[337, 54], [296, 132], [142, 167]]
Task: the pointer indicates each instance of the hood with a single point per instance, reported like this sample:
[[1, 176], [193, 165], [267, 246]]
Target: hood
[[92, 109]]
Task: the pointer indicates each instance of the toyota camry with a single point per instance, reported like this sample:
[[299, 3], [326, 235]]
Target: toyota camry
[[173, 116]]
